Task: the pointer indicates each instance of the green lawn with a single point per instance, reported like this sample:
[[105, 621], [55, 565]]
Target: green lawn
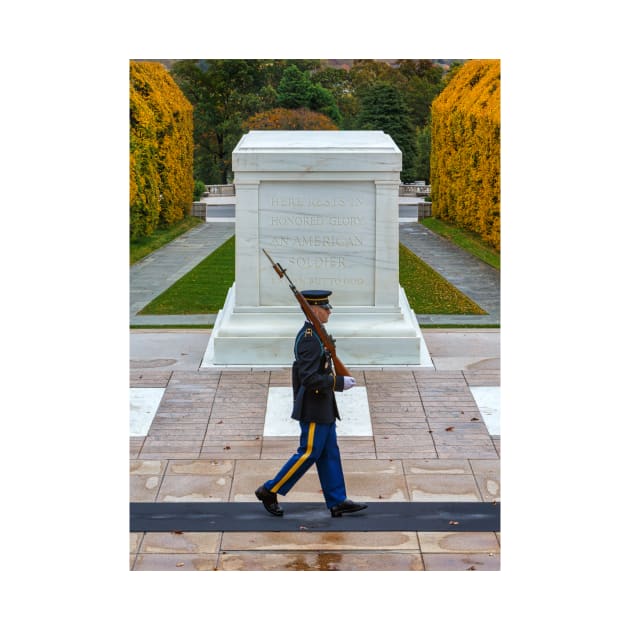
[[142, 247], [204, 288], [428, 292], [466, 240]]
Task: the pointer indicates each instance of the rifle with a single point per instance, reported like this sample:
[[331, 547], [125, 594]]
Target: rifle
[[327, 340]]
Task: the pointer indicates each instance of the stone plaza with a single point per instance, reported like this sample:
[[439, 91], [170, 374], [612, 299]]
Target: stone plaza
[[419, 432]]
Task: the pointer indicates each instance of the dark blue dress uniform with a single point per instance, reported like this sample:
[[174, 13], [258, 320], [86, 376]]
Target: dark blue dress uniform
[[315, 407]]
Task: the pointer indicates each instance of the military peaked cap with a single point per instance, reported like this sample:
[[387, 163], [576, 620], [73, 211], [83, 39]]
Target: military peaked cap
[[317, 298]]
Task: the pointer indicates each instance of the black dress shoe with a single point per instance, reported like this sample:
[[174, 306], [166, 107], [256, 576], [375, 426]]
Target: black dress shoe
[[270, 501], [346, 507]]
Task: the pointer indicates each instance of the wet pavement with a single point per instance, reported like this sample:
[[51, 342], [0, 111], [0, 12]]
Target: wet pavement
[[429, 439]]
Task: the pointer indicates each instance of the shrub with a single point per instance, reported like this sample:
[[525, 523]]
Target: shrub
[[465, 150], [161, 149], [199, 190]]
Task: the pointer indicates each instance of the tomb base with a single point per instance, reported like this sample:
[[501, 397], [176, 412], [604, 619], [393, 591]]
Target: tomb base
[[366, 337]]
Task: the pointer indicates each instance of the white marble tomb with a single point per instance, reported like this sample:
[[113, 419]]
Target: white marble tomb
[[324, 205]]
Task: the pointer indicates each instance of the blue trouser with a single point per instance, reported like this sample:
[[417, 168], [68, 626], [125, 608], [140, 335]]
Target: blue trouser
[[318, 445]]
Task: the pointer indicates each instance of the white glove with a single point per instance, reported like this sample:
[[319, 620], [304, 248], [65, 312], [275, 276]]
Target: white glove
[[348, 382]]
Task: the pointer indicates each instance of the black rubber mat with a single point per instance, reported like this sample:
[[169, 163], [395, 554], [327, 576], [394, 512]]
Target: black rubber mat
[[252, 517]]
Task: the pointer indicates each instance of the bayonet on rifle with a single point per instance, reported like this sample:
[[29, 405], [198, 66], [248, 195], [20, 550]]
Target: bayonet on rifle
[[327, 340]]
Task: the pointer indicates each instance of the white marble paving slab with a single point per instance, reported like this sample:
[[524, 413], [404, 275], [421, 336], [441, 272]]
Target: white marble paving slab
[[353, 408], [488, 400], [143, 404]]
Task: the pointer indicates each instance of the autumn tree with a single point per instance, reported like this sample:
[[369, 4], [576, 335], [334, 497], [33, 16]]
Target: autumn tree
[[466, 148], [365, 73], [282, 118], [161, 149], [424, 153]]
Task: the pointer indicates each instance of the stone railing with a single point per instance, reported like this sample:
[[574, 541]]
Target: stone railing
[[220, 190], [198, 209], [419, 189], [424, 209]]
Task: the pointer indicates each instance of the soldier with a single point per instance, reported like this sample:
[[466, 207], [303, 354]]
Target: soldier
[[315, 407]]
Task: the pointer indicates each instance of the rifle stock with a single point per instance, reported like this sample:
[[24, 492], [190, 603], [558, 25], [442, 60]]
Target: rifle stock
[[327, 340]]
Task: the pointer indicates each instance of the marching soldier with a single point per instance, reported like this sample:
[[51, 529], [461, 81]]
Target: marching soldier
[[315, 407]]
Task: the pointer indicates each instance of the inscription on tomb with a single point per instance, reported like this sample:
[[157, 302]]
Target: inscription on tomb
[[323, 233]]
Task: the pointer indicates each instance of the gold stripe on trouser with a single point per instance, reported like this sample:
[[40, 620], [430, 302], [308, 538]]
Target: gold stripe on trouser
[[303, 458]]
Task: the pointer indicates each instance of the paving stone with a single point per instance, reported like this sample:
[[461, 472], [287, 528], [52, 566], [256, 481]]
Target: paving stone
[[143, 488], [135, 538], [466, 451], [487, 475], [408, 454], [378, 480], [135, 445], [386, 408], [396, 377], [154, 467], [278, 447], [175, 562], [452, 432], [454, 487], [159, 445], [166, 454], [176, 488], [184, 542], [461, 562], [436, 467], [353, 447], [227, 447], [149, 378], [483, 378], [458, 542], [282, 378], [316, 541], [200, 467], [323, 561]]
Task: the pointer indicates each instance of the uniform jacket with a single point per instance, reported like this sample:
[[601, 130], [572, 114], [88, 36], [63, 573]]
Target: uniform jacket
[[314, 381]]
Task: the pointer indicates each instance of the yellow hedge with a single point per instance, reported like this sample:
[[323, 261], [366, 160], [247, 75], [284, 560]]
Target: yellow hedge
[[160, 149], [465, 150]]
